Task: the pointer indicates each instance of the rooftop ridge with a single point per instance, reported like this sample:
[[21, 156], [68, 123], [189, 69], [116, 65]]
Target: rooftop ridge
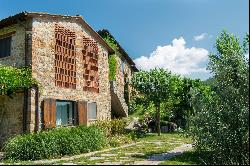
[[25, 14]]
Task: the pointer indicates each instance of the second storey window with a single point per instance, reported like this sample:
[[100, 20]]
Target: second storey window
[[5, 47]]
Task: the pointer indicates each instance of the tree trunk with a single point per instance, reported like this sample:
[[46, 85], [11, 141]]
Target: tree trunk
[[158, 118]]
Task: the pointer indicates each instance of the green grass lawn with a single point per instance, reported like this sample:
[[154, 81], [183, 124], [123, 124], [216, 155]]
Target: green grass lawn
[[189, 158]]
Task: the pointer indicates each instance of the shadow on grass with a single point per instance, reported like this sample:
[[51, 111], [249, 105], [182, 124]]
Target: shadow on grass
[[190, 158]]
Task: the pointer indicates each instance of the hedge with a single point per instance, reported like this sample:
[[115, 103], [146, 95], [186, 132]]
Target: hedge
[[54, 143], [112, 127]]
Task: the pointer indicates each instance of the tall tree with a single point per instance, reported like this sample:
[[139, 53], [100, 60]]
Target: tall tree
[[156, 85], [221, 122]]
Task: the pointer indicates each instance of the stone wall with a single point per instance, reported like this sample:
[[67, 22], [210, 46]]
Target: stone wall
[[43, 55], [11, 116], [17, 45], [120, 76]]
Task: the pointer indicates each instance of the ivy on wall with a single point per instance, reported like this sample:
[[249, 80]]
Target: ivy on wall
[[12, 78], [112, 58], [112, 67], [111, 42]]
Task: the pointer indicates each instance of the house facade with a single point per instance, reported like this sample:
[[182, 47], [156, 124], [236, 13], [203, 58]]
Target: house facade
[[69, 60], [120, 87]]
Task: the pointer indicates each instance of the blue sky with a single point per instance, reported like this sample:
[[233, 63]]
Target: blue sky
[[148, 29]]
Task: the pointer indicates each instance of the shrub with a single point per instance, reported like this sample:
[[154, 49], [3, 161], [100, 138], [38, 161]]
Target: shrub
[[112, 127], [119, 140], [54, 143]]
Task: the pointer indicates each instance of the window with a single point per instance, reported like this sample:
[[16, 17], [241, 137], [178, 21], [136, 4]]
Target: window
[[65, 113], [92, 111], [122, 67], [5, 47]]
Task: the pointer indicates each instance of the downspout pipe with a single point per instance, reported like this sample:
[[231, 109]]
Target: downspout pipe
[[37, 113], [25, 97], [28, 61]]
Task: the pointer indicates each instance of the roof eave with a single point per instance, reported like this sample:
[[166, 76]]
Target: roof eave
[[24, 15]]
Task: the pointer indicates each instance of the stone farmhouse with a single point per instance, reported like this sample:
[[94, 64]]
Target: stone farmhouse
[[70, 61]]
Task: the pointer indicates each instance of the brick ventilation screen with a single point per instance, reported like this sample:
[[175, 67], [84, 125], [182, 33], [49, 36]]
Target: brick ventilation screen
[[65, 58], [90, 64]]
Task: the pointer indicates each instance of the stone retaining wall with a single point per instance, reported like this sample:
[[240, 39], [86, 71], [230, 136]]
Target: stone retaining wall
[[11, 116]]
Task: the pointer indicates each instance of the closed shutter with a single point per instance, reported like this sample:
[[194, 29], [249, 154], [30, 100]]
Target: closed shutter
[[53, 113], [82, 112], [49, 113]]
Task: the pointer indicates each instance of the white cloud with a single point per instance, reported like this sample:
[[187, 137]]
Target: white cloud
[[202, 37], [175, 57]]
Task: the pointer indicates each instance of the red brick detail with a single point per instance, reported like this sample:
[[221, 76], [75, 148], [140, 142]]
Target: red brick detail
[[90, 65], [65, 57]]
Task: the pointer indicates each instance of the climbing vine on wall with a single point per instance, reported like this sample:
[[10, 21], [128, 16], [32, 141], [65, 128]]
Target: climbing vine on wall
[[112, 58], [112, 67], [12, 78], [111, 42]]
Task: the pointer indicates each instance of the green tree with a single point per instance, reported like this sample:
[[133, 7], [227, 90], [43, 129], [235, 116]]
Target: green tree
[[156, 86], [182, 109], [221, 121]]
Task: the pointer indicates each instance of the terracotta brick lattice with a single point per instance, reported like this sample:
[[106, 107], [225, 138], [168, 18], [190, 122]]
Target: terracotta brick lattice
[[65, 57], [90, 65]]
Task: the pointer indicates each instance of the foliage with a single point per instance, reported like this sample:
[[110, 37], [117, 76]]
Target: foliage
[[112, 127], [12, 78], [221, 121], [180, 101], [112, 58], [54, 143], [140, 128], [119, 140], [139, 105], [111, 41], [126, 89], [156, 86], [210, 81], [112, 67]]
